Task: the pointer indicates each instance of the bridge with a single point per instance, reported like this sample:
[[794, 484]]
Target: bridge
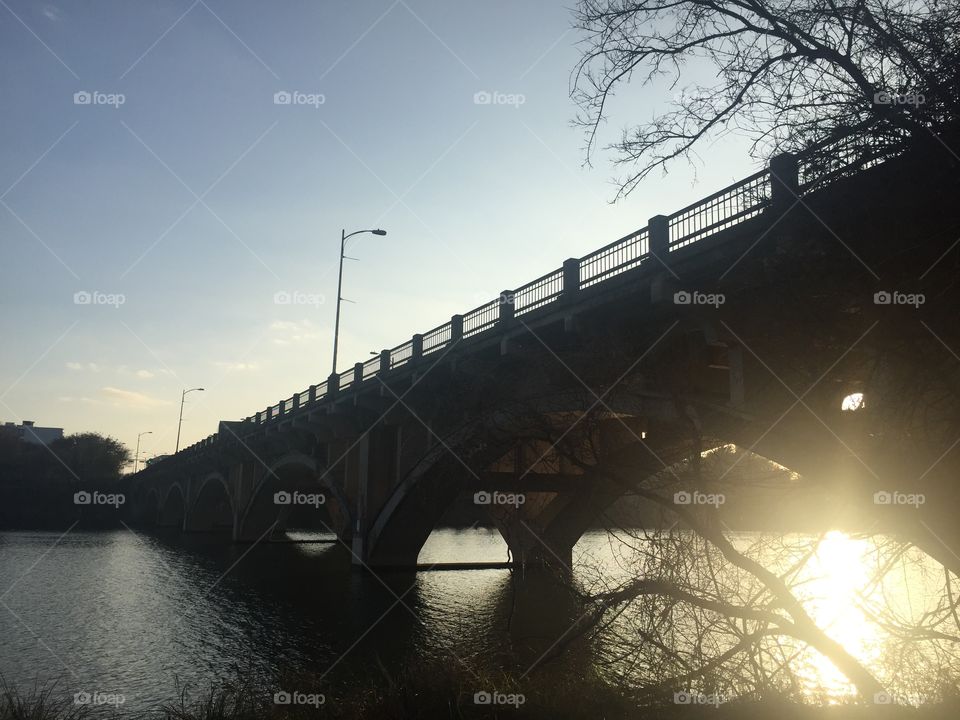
[[743, 318]]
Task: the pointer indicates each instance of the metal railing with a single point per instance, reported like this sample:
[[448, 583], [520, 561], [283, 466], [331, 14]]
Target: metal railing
[[481, 318], [617, 257], [731, 206], [437, 338], [823, 164], [738, 203], [538, 293]]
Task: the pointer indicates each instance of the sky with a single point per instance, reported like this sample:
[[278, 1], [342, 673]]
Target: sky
[[172, 172]]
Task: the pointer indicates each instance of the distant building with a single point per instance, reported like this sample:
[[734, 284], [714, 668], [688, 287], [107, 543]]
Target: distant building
[[28, 432]]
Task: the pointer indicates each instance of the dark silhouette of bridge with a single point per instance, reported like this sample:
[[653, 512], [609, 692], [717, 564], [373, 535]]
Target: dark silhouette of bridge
[[668, 331]]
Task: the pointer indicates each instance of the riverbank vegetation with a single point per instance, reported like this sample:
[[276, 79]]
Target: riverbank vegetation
[[39, 484]]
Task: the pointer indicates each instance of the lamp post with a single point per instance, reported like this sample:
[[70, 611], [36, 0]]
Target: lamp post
[[136, 456], [182, 398], [336, 325]]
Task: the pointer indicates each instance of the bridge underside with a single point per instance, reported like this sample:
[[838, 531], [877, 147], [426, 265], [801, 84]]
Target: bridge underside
[[624, 375]]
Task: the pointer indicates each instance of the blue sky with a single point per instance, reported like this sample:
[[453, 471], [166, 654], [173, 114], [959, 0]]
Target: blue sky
[[199, 198]]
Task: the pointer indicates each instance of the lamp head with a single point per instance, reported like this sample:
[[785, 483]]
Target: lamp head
[[379, 232]]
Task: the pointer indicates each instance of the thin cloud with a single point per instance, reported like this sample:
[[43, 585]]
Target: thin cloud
[[130, 398]]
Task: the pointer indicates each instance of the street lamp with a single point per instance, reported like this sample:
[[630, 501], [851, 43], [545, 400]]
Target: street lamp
[[343, 245], [182, 397], [136, 456]]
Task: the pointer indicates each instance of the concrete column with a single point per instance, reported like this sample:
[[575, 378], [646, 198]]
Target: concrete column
[[571, 278], [658, 228], [506, 306], [784, 181], [375, 456]]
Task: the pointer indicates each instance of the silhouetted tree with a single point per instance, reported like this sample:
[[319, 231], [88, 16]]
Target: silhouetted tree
[[787, 73]]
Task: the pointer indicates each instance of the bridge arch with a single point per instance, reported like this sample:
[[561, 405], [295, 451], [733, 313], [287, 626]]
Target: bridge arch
[[147, 508], [212, 507], [173, 509], [419, 500], [286, 491]]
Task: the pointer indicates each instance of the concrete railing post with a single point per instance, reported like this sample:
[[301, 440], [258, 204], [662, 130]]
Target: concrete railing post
[[416, 347], [333, 384], [313, 393], [259, 417], [658, 229], [357, 373], [506, 306], [571, 278], [296, 401], [456, 328], [384, 360], [282, 408], [784, 180]]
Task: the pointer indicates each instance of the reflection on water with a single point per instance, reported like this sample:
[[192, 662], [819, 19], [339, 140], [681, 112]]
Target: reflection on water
[[134, 614]]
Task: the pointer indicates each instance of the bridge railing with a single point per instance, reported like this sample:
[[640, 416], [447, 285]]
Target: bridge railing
[[617, 257], [726, 208], [735, 204], [538, 293], [437, 338], [824, 163], [481, 318]]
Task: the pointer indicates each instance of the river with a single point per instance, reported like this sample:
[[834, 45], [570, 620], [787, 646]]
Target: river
[[145, 616]]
